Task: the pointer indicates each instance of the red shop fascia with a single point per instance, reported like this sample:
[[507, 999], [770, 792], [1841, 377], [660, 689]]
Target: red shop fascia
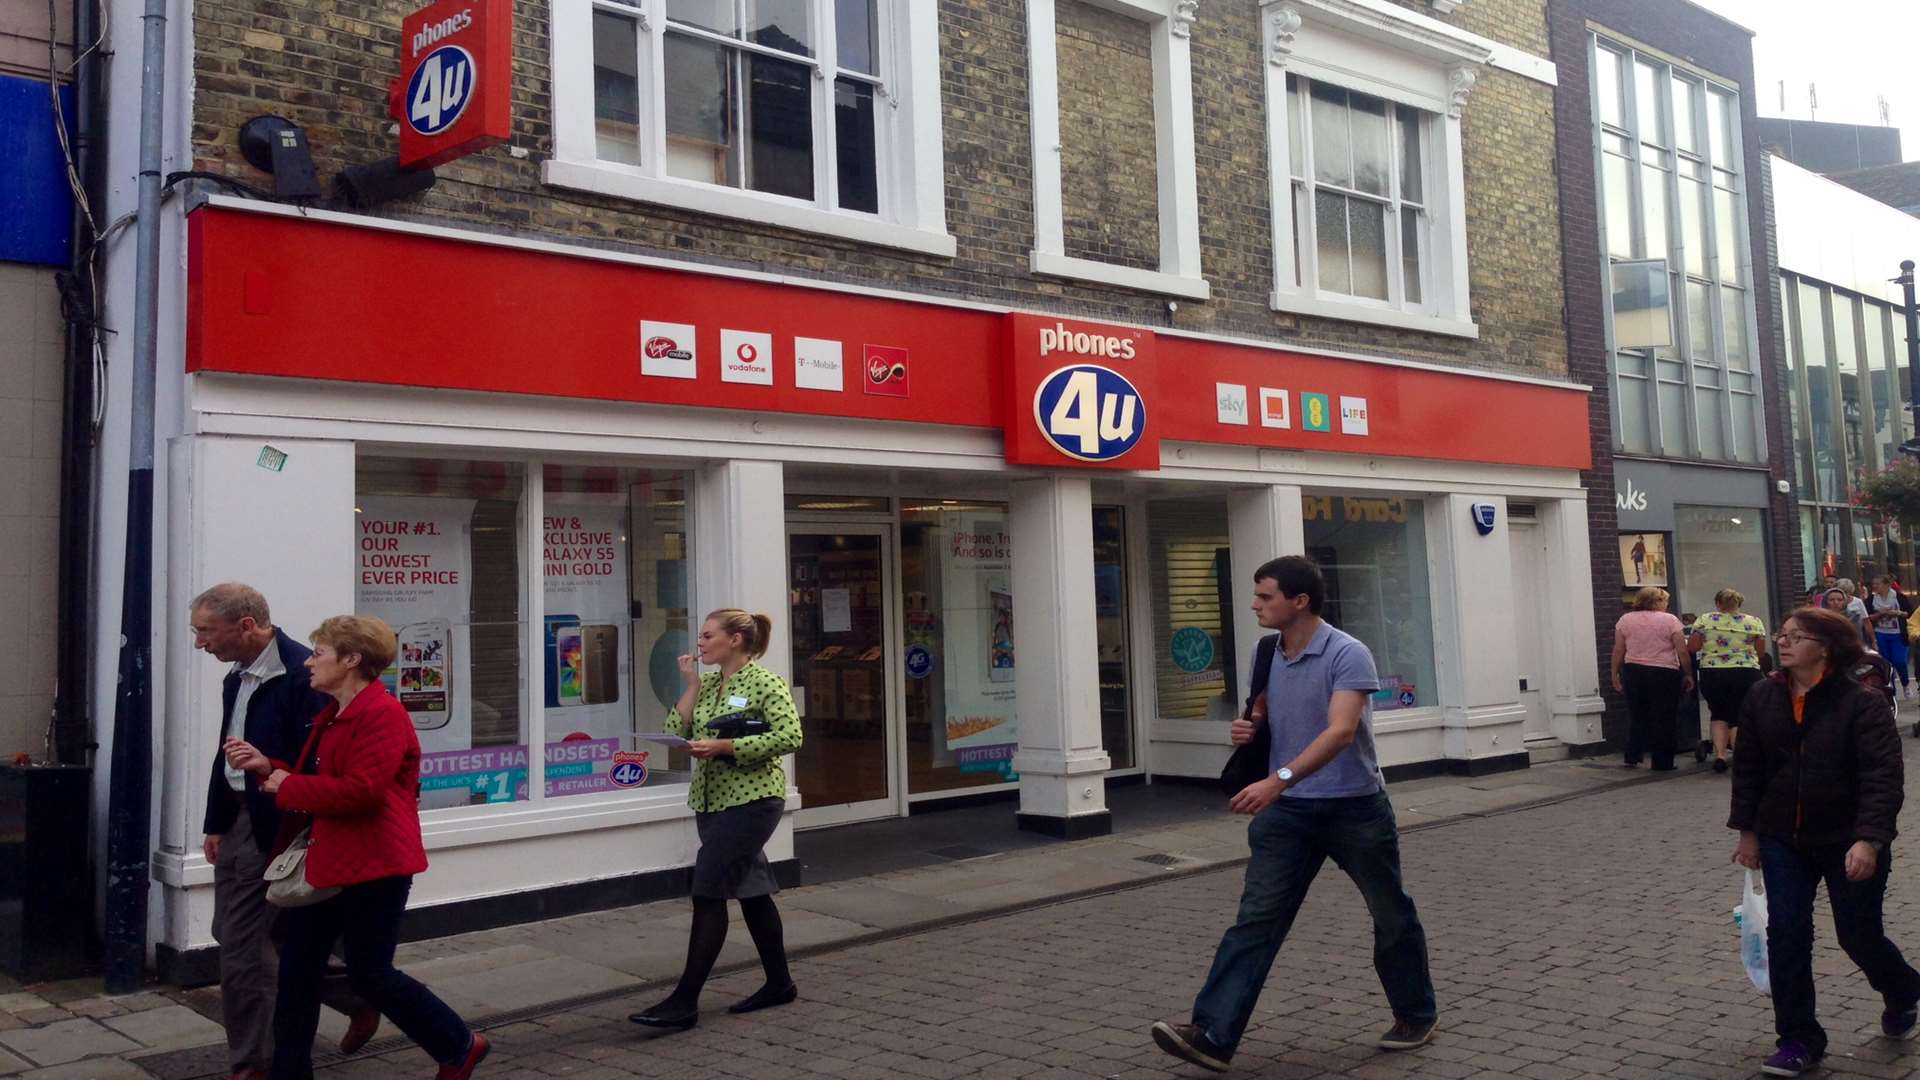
[[273, 293]]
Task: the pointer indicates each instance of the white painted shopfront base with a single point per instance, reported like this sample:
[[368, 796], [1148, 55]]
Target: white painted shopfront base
[[291, 534]]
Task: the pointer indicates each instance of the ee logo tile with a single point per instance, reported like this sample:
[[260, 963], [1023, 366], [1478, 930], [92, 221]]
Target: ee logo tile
[[1315, 413]]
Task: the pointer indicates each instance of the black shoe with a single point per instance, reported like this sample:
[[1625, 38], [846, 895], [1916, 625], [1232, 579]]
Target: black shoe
[[766, 998], [1406, 1036], [1719, 764], [667, 1014], [1188, 1043]]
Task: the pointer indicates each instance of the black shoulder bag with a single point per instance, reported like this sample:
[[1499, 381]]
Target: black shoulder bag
[[1248, 765]]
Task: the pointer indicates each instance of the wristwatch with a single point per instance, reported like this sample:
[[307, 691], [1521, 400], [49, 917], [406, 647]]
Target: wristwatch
[[1285, 774]]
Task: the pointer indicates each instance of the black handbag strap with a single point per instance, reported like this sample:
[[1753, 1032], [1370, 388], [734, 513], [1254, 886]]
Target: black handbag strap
[[1263, 654]]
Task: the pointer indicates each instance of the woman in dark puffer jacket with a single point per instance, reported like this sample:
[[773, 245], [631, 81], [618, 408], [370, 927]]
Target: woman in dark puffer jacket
[[1817, 781]]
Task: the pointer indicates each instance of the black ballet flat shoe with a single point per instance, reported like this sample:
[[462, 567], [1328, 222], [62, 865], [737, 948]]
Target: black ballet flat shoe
[[766, 998], [672, 1017]]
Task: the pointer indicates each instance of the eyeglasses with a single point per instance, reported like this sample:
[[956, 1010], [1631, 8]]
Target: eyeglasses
[[1793, 639]]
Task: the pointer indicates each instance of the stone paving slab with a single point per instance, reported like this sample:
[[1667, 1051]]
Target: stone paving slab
[[524, 967], [62, 1041]]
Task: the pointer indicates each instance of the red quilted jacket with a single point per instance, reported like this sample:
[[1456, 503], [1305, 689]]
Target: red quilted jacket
[[362, 790]]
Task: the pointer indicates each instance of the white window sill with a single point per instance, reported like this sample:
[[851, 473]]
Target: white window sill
[[1296, 304], [1126, 277], [745, 205]]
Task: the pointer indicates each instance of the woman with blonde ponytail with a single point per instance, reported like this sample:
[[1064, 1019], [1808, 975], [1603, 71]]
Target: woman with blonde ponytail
[[742, 721]]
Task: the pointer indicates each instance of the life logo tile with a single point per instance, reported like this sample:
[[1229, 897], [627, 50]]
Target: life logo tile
[[817, 365], [1230, 403], [884, 370], [746, 357], [1316, 413], [667, 350], [1353, 416], [1275, 409]]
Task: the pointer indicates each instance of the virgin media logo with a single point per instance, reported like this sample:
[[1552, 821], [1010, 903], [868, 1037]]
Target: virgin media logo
[[886, 368]]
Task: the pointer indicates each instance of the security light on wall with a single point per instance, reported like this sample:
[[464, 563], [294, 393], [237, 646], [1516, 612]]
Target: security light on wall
[[1642, 305]]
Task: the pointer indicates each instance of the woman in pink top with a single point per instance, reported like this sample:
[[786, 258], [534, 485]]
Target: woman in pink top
[[1652, 668]]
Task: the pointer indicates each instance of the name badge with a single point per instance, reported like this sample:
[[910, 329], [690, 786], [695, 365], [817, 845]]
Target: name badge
[[736, 702]]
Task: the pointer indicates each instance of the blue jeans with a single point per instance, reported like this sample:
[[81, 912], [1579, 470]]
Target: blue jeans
[[1791, 878], [1290, 840]]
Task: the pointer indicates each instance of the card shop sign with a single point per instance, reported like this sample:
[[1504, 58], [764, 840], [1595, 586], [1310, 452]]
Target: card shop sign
[[454, 94]]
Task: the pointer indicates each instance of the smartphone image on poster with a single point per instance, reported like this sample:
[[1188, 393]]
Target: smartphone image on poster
[[567, 647], [600, 673], [422, 673], [555, 623], [999, 632]]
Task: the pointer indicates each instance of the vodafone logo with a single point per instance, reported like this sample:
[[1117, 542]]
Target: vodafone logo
[[659, 347], [747, 357], [747, 354]]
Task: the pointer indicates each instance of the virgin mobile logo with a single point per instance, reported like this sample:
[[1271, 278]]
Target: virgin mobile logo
[[879, 372], [658, 347]]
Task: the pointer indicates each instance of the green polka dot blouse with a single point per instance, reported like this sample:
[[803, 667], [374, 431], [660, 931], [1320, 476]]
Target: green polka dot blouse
[[755, 771]]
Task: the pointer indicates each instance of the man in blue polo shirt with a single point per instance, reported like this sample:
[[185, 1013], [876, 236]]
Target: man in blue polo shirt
[[1324, 798]]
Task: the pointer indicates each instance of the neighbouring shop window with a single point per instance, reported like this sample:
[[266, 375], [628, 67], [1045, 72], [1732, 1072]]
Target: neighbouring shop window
[[615, 596], [1373, 551], [1192, 582], [1721, 547], [1110, 629], [957, 594], [1643, 562], [1672, 187], [441, 560]]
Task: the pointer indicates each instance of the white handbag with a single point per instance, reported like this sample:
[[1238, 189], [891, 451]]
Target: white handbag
[[286, 876]]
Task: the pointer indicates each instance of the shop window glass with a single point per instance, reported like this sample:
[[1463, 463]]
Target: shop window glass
[[1110, 629], [1855, 409], [441, 559], [1373, 551], [1720, 547], [1886, 399], [615, 596], [1821, 394], [1192, 581], [957, 595], [1799, 418]]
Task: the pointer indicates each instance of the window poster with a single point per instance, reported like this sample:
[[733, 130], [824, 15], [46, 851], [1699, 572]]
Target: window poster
[[415, 571], [979, 733], [587, 654], [1643, 559]]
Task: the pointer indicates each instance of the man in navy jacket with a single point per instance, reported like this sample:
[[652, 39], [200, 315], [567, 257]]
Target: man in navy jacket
[[267, 706]]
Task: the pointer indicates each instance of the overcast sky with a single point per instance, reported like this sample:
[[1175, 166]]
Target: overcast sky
[[1854, 51]]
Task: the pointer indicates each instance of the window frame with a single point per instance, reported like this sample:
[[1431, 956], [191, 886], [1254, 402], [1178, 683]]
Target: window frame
[[1410, 65], [1679, 169], [910, 157], [1169, 26]]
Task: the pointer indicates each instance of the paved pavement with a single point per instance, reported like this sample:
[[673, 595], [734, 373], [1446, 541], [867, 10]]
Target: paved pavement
[[1578, 927]]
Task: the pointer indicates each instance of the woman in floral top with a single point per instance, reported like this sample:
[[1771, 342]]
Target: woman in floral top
[[738, 795], [1729, 643]]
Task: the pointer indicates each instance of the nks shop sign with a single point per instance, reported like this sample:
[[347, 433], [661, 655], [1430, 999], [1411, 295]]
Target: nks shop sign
[[453, 96], [1081, 395]]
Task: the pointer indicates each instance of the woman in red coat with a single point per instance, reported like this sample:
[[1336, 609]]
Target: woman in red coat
[[358, 779]]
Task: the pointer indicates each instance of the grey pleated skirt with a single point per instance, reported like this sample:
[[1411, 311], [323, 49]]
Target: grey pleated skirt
[[732, 862]]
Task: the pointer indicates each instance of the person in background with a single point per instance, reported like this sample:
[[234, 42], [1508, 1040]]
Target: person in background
[[1817, 788], [1651, 665], [358, 782], [1728, 644], [1887, 615], [1856, 599], [267, 706], [739, 794], [1838, 601]]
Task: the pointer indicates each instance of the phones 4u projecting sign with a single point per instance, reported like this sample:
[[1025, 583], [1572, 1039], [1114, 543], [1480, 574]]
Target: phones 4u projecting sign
[[454, 94]]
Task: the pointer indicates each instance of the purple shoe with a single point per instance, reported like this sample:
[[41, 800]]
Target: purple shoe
[[1792, 1059]]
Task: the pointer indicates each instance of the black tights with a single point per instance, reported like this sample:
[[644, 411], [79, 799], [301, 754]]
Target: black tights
[[710, 933]]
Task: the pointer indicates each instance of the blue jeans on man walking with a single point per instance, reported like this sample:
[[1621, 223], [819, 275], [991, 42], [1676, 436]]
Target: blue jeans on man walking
[[1290, 841]]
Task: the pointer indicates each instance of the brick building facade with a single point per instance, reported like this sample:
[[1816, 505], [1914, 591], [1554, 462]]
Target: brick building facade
[[1155, 289], [1693, 41]]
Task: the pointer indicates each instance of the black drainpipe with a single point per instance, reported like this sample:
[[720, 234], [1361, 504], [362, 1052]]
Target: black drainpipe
[[73, 740]]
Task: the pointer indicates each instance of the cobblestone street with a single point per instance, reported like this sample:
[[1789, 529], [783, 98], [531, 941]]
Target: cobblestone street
[[1588, 938]]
